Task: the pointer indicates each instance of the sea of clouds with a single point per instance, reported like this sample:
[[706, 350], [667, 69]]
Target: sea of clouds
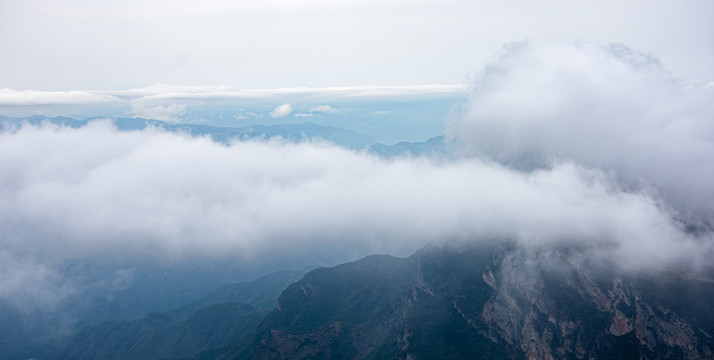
[[587, 144]]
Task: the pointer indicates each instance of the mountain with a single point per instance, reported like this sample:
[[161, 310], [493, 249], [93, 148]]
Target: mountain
[[289, 132], [261, 293], [431, 147], [157, 336], [23, 335], [7, 121], [217, 319], [108, 287], [485, 302]]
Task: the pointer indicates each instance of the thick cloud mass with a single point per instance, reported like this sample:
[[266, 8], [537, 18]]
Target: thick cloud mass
[[592, 146], [601, 106], [74, 192]]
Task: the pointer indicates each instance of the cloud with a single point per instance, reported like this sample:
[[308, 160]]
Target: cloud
[[604, 106], [164, 92], [76, 192], [159, 93], [593, 146], [169, 113], [243, 115], [10, 97], [327, 109], [282, 111], [163, 101], [29, 285]]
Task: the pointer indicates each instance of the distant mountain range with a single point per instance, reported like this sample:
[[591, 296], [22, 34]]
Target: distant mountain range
[[289, 132]]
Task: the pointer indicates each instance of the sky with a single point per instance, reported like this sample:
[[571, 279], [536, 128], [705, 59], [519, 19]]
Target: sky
[[111, 45], [568, 123], [390, 69], [391, 114]]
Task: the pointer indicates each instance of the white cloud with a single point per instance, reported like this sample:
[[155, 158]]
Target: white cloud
[[327, 109], [169, 113], [617, 153], [282, 111], [604, 106], [10, 97], [162, 101], [164, 92], [169, 95], [73, 192]]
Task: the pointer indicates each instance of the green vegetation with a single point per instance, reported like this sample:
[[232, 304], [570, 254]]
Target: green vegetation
[[481, 302], [219, 318]]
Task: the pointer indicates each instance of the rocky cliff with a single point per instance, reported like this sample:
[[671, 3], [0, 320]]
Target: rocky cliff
[[485, 301]]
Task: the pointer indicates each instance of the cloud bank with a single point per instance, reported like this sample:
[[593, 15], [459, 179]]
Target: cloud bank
[[603, 106], [11, 97], [595, 146], [74, 192], [170, 94]]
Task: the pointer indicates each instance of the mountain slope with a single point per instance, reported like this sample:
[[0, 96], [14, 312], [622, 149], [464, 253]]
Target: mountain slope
[[219, 318], [306, 131], [261, 293], [158, 336], [432, 147], [484, 302]]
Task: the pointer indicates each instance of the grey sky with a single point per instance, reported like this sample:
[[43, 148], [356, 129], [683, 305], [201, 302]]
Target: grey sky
[[80, 44]]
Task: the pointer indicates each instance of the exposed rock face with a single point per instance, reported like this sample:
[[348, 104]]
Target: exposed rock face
[[484, 302], [564, 311]]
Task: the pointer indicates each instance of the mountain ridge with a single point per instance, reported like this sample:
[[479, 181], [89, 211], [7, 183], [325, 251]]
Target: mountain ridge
[[305, 131], [484, 301], [218, 318]]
